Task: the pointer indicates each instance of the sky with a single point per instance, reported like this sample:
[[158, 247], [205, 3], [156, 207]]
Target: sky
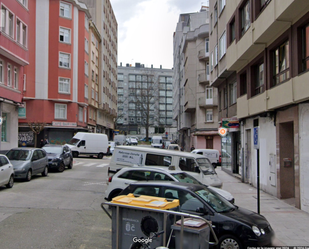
[[146, 27]]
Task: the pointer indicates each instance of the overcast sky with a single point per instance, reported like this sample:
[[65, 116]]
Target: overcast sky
[[146, 27]]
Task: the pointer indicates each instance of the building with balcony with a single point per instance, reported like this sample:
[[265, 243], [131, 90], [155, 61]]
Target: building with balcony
[[267, 50], [145, 100], [195, 107], [15, 19], [105, 21]]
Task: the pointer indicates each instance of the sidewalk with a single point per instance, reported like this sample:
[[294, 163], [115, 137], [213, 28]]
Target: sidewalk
[[289, 223]]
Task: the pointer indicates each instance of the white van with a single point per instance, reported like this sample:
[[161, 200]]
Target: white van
[[196, 165], [120, 139], [157, 142], [212, 154], [84, 143]]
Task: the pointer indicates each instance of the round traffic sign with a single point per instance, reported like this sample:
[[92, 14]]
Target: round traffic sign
[[222, 131]]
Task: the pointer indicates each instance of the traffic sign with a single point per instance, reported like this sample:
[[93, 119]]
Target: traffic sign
[[222, 131], [256, 142]]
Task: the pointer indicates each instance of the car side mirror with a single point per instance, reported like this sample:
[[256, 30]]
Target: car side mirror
[[197, 169], [202, 210]]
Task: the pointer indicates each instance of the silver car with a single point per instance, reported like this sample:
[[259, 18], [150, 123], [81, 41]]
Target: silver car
[[28, 162]]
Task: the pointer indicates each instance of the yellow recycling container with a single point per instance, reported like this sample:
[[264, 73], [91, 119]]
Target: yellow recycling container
[[145, 201]]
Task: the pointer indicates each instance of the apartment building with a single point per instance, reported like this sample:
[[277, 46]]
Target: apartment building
[[195, 107], [14, 56], [105, 21], [267, 49], [54, 100], [145, 100]]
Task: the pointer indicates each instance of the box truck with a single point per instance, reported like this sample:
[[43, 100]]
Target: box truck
[[91, 144]]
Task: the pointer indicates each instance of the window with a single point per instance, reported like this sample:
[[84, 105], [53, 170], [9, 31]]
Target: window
[[259, 78], [86, 23], [4, 127], [232, 31], [15, 78], [154, 160], [216, 55], [207, 45], [264, 4], [305, 48], [21, 33], [225, 98], [9, 76], [64, 60], [65, 35], [86, 45], [215, 15], [80, 114], [11, 24], [86, 68], [281, 64], [209, 115], [221, 5], [65, 10], [64, 85], [243, 84], [245, 18], [211, 61], [222, 45], [209, 93], [7, 21], [86, 91], [24, 2], [1, 72], [60, 111], [233, 93], [92, 93]]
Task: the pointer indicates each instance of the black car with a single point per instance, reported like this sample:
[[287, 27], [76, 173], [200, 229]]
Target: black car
[[59, 156], [234, 226]]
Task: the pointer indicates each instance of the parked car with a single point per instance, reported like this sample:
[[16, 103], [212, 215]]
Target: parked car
[[157, 142], [6, 172], [235, 227], [125, 176], [59, 157], [131, 141], [212, 154], [28, 162], [173, 147], [111, 147]]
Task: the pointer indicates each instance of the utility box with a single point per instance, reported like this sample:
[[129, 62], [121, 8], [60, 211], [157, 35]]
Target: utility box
[[134, 218], [195, 234]]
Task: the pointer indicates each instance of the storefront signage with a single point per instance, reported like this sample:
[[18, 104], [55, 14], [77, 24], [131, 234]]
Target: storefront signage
[[222, 131], [256, 143], [230, 123], [64, 124]]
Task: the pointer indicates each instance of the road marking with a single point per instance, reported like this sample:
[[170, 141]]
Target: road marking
[[94, 183], [89, 164], [102, 165]]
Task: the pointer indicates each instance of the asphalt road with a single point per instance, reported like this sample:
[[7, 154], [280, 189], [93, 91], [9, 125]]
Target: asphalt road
[[62, 210]]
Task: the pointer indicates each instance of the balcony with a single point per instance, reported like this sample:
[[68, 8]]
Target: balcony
[[203, 78], [203, 55], [207, 103]]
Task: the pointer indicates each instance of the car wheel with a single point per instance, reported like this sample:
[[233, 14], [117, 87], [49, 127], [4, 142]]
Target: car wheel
[[229, 242], [71, 164], [11, 182], [45, 172], [100, 155], [75, 154], [29, 176], [61, 167]]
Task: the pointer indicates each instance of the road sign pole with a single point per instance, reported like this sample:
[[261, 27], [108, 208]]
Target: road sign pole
[[258, 180]]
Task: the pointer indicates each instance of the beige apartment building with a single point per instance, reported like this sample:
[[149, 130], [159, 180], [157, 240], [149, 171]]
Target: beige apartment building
[[267, 48], [105, 21], [195, 106]]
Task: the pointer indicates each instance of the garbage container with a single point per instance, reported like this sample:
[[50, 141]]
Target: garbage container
[[134, 218], [195, 234]]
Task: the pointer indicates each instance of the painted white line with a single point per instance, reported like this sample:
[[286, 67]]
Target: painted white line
[[94, 183], [102, 165], [88, 164]]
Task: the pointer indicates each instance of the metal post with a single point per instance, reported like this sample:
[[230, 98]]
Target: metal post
[[258, 180]]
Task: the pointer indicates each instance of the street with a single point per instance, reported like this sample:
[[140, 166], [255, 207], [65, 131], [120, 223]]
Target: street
[[61, 210]]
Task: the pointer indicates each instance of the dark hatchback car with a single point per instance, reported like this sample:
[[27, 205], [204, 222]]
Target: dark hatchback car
[[235, 227], [59, 157]]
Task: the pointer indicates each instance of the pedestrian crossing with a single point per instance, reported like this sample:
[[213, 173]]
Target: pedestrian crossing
[[89, 164]]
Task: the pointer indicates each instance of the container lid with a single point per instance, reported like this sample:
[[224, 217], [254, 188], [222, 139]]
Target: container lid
[[145, 201]]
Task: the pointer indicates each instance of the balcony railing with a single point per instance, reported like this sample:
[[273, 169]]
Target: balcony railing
[[203, 78], [205, 103], [203, 55]]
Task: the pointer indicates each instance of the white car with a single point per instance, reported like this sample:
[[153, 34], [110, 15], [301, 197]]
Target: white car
[[127, 175], [6, 172], [131, 141]]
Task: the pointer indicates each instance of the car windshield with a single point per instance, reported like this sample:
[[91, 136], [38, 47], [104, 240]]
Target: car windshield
[[56, 150], [183, 177], [216, 201], [18, 155], [74, 141], [205, 166]]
